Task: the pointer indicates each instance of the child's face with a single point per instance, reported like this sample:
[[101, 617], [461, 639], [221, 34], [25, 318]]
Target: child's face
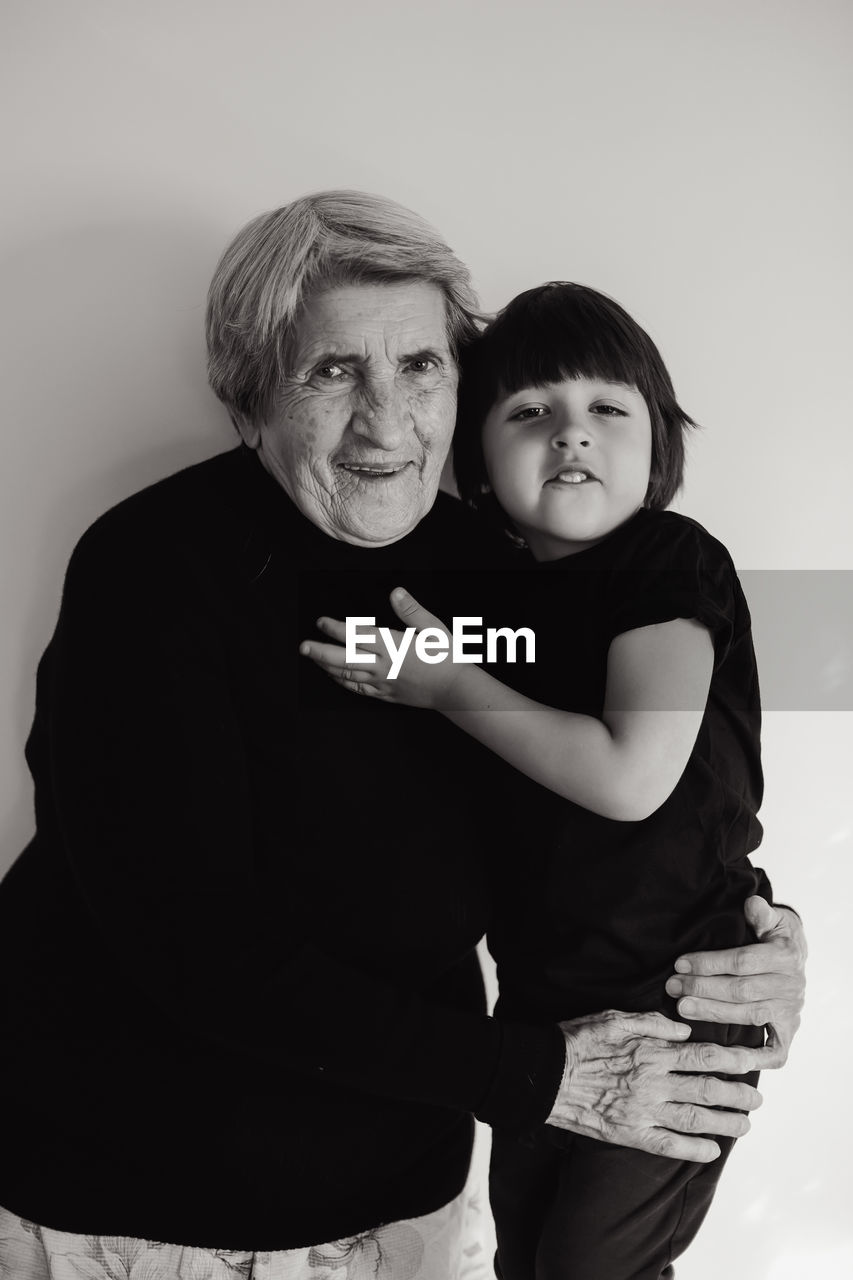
[[537, 439]]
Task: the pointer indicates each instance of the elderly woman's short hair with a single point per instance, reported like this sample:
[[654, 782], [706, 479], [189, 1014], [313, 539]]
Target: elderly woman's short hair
[[319, 241]]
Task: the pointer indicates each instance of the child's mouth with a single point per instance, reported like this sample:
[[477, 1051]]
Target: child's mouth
[[572, 476]]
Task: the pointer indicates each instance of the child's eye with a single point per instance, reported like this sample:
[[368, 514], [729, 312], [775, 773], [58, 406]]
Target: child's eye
[[530, 412], [609, 410]]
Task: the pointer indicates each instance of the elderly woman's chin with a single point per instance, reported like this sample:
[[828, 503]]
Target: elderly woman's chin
[[373, 508], [366, 504]]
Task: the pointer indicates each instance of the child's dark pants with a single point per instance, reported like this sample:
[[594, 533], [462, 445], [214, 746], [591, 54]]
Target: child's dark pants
[[573, 1208], [593, 1211]]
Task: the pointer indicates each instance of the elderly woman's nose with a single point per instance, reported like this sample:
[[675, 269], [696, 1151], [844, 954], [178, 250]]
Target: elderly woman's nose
[[383, 416]]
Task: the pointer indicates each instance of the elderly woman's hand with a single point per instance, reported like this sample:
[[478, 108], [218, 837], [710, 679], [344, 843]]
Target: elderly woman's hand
[[622, 1084], [762, 984]]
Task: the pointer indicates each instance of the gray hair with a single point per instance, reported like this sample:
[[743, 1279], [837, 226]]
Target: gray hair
[[319, 241]]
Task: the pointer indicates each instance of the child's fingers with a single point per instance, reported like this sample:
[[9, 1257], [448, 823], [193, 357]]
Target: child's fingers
[[331, 659], [358, 682], [358, 679], [338, 631], [334, 657], [352, 674], [408, 610]]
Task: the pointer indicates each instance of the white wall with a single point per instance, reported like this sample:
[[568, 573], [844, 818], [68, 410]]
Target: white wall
[[690, 158]]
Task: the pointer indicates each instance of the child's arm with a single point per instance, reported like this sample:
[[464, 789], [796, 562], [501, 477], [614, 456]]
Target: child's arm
[[623, 766]]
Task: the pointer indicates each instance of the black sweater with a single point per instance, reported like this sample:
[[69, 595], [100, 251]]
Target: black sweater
[[240, 1002]]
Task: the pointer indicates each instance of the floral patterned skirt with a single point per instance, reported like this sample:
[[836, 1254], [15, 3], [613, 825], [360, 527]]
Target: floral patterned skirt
[[445, 1245]]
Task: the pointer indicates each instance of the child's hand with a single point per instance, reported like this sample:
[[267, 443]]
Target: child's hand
[[391, 671]]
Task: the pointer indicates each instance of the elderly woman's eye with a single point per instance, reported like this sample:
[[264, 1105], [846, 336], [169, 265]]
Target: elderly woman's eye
[[329, 372], [422, 364]]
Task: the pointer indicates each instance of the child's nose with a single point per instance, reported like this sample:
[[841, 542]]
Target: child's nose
[[570, 432]]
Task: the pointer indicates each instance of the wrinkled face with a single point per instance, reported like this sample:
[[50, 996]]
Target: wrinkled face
[[365, 417], [569, 462]]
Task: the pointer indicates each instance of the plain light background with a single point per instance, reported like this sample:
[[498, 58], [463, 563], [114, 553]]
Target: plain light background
[[691, 159]]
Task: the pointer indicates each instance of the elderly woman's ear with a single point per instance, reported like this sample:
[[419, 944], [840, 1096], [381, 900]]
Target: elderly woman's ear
[[250, 432]]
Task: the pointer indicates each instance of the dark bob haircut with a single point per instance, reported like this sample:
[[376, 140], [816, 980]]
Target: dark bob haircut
[[554, 332]]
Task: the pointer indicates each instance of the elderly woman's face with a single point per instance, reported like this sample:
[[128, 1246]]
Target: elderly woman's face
[[365, 417]]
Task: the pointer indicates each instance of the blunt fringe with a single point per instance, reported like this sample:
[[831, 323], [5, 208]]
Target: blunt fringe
[[319, 241], [561, 331]]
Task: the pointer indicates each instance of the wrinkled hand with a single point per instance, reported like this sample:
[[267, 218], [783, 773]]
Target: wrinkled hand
[[377, 672], [621, 1085], [762, 984]]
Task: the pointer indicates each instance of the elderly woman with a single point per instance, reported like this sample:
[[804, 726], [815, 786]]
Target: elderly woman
[[243, 1017]]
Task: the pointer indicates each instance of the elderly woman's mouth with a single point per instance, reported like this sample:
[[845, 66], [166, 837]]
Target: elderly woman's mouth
[[374, 470]]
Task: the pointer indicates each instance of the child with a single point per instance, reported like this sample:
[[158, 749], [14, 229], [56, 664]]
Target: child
[[637, 726]]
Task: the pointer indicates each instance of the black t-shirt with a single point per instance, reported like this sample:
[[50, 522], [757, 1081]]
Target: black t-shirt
[[595, 911]]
